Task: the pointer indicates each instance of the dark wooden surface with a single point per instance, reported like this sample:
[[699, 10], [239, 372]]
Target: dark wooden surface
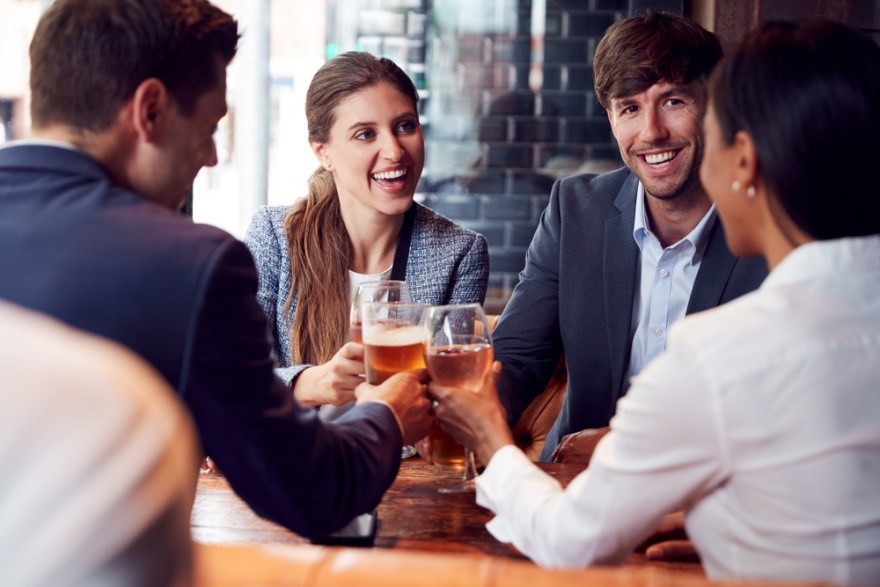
[[413, 515]]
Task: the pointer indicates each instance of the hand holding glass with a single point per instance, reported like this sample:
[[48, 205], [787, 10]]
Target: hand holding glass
[[388, 290], [394, 341], [458, 354]]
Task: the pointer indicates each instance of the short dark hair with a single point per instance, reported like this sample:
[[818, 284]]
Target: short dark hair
[[640, 51], [89, 56], [808, 94]]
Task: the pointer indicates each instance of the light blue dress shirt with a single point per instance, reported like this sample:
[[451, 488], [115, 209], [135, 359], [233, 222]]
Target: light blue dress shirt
[[666, 278]]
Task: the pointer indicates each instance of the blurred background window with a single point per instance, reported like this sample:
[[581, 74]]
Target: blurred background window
[[506, 97]]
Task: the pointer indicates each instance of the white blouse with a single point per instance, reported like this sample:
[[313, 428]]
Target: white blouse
[[762, 420]]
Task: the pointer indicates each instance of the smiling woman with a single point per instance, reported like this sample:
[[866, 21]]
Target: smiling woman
[[358, 223], [376, 152]]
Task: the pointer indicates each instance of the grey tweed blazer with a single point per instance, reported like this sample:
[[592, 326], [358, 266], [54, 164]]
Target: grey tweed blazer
[[447, 264]]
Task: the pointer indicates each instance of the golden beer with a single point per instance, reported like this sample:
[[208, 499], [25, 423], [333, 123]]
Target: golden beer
[[391, 350], [444, 449], [355, 332], [456, 365]]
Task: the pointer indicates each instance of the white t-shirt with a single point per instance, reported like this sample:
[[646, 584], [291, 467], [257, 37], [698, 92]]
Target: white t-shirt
[[355, 279]]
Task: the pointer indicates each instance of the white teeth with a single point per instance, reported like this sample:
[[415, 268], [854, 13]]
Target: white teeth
[[390, 174], [656, 158]]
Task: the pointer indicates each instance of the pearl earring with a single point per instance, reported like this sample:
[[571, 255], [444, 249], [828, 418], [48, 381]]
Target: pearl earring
[[735, 186], [750, 192]]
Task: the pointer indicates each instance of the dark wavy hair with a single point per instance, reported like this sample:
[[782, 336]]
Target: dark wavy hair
[[89, 56], [637, 52], [808, 94]]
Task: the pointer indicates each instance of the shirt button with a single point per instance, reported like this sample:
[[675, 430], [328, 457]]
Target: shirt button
[[664, 272], [658, 332]]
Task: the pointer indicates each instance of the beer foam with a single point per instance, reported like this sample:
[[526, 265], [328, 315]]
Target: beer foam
[[380, 335]]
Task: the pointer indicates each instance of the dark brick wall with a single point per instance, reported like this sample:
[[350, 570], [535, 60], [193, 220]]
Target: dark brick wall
[[494, 142]]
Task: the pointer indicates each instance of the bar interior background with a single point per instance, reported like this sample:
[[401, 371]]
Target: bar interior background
[[506, 97]]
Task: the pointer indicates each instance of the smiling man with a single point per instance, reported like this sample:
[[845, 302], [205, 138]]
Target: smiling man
[[125, 99], [617, 258]]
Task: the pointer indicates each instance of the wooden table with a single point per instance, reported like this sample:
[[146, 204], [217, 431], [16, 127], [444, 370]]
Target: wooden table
[[413, 515]]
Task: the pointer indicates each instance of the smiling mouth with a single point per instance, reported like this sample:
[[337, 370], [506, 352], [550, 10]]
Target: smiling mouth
[[660, 158], [389, 175]]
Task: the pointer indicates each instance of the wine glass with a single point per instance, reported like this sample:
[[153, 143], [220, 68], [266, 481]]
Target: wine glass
[[458, 353], [394, 341], [388, 290]]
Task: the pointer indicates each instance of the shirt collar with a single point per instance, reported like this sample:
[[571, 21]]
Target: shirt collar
[[818, 259], [697, 238], [39, 143]]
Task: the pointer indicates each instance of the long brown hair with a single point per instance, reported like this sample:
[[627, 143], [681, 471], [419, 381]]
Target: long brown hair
[[320, 248]]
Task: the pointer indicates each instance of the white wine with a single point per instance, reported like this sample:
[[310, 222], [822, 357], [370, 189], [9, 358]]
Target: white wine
[[460, 365], [457, 365]]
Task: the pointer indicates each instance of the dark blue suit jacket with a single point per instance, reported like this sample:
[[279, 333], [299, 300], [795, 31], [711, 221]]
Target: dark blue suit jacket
[[575, 295], [78, 247]]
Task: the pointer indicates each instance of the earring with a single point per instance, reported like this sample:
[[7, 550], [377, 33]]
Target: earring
[[327, 165], [750, 192], [735, 186]]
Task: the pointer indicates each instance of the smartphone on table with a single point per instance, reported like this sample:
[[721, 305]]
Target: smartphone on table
[[361, 531]]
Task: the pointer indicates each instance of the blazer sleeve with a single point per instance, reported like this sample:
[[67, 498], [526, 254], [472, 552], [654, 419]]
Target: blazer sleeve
[[527, 338], [288, 465], [266, 252], [471, 277]]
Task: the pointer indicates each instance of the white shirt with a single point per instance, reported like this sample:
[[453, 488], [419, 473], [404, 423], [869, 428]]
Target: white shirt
[[666, 278], [356, 279], [762, 420], [98, 462]]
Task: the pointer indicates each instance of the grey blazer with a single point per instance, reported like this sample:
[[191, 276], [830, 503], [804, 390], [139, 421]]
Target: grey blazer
[[575, 295], [447, 264]]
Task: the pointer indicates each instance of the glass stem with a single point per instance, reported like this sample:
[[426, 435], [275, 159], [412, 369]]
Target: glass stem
[[470, 466]]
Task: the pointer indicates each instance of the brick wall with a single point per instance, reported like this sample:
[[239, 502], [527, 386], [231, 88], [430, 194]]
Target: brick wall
[[494, 142]]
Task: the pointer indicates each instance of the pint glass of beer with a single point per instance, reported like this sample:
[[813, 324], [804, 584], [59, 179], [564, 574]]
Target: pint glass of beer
[[458, 353], [389, 290], [394, 338]]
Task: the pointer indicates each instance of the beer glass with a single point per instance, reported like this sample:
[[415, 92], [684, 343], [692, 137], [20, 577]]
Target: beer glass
[[388, 290], [394, 341], [458, 353]]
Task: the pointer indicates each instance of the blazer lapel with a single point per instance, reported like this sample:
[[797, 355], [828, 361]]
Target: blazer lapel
[[715, 269], [621, 268]]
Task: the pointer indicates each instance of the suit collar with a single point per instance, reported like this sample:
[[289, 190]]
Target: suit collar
[[715, 269], [626, 197], [44, 157], [621, 271]]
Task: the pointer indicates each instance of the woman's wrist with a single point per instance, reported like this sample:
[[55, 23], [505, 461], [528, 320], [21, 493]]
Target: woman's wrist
[[304, 386], [493, 438]]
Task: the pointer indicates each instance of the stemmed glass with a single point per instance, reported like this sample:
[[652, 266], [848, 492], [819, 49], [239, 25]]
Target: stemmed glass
[[458, 353], [394, 341], [389, 290]]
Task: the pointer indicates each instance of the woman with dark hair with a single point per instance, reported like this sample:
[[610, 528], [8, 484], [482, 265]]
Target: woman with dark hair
[[358, 223], [762, 418]]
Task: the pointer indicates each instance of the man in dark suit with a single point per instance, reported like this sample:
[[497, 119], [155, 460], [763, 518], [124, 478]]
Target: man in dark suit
[[617, 258], [126, 96]]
